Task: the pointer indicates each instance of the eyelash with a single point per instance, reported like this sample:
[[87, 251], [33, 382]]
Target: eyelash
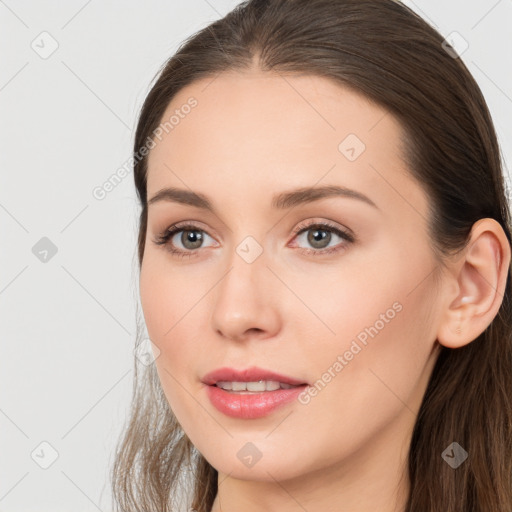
[[167, 235]]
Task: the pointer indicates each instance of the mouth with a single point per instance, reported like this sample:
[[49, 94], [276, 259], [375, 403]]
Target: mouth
[[250, 380], [254, 387], [251, 393]]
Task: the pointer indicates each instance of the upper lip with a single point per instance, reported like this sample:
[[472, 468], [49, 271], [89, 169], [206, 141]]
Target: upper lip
[[252, 374]]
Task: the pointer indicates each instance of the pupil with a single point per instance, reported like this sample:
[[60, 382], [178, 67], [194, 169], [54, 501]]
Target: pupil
[[193, 237], [319, 235]]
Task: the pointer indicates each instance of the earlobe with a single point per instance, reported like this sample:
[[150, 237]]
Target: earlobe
[[478, 277]]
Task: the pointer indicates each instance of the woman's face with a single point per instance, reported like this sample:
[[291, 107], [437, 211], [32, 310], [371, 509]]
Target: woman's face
[[348, 309]]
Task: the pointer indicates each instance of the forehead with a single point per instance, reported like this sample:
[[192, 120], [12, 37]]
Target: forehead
[[261, 131]]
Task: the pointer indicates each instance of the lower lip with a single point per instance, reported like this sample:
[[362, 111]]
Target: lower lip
[[251, 405]]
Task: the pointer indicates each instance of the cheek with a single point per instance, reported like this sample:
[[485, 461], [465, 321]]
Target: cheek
[[163, 296], [173, 306], [377, 353], [165, 305]]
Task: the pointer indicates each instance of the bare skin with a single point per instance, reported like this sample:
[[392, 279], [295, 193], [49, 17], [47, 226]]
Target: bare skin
[[295, 309]]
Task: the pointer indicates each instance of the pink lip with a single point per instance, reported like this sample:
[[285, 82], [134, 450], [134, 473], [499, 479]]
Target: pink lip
[[252, 374], [250, 405]]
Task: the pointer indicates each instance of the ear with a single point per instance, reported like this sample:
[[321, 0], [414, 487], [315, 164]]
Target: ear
[[477, 285]]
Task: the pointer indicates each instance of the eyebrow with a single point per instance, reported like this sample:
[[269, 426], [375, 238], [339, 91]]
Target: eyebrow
[[282, 201]]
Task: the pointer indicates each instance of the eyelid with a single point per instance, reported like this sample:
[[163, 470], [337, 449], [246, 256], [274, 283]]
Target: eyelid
[[163, 237], [309, 224]]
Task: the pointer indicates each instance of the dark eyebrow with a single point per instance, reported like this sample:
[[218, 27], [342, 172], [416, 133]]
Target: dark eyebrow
[[281, 201], [178, 195], [309, 194]]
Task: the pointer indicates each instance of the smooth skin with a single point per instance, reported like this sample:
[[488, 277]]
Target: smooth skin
[[253, 135]]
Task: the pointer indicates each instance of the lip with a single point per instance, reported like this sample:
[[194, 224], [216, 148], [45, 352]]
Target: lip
[[252, 374], [249, 405]]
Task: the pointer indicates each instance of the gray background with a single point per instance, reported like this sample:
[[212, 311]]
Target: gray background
[[67, 122]]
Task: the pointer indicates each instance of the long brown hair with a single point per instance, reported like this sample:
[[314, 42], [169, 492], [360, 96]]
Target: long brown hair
[[382, 49]]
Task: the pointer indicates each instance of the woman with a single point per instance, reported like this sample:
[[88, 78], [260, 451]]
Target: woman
[[324, 253]]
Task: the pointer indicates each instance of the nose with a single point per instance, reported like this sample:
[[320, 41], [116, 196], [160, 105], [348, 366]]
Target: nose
[[246, 301]]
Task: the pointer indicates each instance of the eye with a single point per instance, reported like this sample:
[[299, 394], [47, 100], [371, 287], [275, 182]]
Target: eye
[[319, 235], [191, 239]]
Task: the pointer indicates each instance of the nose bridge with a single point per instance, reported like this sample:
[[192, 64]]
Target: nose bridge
[[246, 272], [246, 253], [243, 299]]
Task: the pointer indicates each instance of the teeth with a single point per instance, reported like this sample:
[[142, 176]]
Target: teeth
[[262, 385], [238, 386]]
